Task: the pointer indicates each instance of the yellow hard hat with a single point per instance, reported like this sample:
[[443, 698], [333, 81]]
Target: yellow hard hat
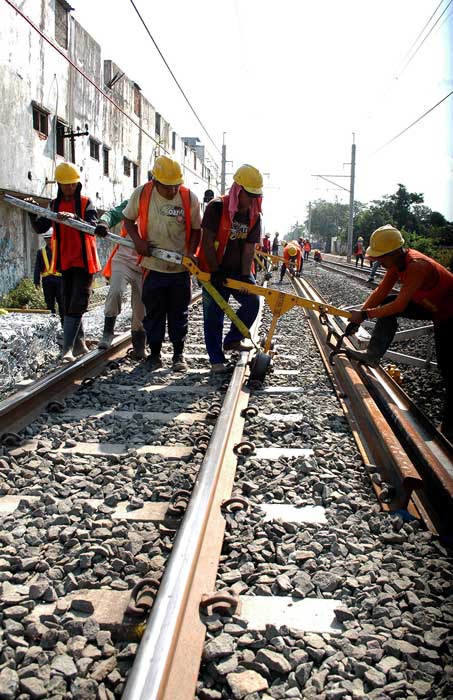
[[250, 179], [67, 174], [292, 250], [384, 240], [167, 171]]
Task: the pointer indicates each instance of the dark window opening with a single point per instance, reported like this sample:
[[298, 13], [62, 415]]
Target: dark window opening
[[135, 174], [173, 141], [158, 124], [150, 175], [105, 160], [127, 167], [41, 121], [59, 138], [194, 161], [61, 23], [94, 149]]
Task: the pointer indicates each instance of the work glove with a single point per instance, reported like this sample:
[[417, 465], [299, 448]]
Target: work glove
[[101, 229], [217, 278]]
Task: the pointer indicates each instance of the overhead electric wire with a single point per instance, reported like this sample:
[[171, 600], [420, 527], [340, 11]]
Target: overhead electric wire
[[174, 78], [421, 32], [410, 59], [413, 123], [86, 77]]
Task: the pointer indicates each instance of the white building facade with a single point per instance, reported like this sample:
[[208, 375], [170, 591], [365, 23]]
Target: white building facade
[[61, 100]]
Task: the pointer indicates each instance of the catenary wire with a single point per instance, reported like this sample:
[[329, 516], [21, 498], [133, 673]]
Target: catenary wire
[[410, 59], [174, 77], [86, 77], [413, 123]]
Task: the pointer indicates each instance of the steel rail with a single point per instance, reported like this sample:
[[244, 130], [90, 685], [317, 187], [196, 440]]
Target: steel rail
[[22, 407], [168, 658], [150, 673], [425, 457]]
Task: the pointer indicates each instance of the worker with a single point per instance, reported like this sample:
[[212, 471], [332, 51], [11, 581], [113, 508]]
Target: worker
[[266, 244], [426, 293], [307, 249], [374, 266], [231, 228], [168, 217], [74, 254], [359, 252], [292, 255], [51, 282], [317, 256], [275, 244], [122, 268]]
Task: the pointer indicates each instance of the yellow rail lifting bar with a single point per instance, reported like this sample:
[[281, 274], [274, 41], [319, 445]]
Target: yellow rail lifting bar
[[274, 258], [278, 302]]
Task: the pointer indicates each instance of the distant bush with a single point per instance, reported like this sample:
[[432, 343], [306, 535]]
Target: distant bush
[[24, 296]]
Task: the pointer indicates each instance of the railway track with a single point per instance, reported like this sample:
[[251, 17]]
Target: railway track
[[94, 501]]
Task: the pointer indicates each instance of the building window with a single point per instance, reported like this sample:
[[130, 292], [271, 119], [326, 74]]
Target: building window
[[194, 160], [173, 141], [61, 23], [105, 160], [94, 149], [158, 124], [150, 175], [135, 174], [59, 138], [127, 166], [41, 120]]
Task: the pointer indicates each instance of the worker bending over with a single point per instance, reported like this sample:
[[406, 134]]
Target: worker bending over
[[426, 293]]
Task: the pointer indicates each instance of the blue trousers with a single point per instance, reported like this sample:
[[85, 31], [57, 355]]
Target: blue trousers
[[213, 318], [166, 297]]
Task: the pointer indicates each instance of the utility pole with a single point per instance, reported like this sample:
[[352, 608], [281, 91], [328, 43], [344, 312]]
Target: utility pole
[[223, 171], [72, 135], [351, 201], [309, 221]]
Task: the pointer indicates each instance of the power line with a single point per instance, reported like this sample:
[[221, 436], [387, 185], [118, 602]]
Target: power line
[[421, 32], [86, 77], [174, 77], [410, 59], [413, 123]]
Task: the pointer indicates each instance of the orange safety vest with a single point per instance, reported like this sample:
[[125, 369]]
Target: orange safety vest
[[93, 263], [222, 237], [142, 221], [47, 273], [438, 298], [286, 254]]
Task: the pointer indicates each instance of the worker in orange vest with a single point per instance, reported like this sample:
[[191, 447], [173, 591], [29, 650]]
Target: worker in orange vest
[[74, 254], [164, 214], [122, 268], [292, 255]]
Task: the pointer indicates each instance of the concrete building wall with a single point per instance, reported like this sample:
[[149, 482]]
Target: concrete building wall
[[34, 75]]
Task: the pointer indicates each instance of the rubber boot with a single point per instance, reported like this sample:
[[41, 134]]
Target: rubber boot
[[70, 330], [107, 334], [138, 344], [80, 347], [383, 334]]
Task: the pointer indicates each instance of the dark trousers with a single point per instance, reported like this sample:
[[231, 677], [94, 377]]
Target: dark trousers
[[357, 258], [213, 317], [52, 290], [166, 297], [76, 287], [443, 332]]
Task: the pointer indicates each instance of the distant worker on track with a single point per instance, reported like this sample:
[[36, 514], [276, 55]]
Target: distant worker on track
[[74, 254], [51, 281], [122, 268], [275, 244], [231, 228], [359, 252], [426, 293], [307, 249], [168, 217], [292, 255]]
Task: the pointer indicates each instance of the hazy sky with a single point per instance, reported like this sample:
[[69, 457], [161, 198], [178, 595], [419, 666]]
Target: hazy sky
[[290, 81]]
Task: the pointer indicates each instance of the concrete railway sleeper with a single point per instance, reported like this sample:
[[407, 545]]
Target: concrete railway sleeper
[[319, 592]]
